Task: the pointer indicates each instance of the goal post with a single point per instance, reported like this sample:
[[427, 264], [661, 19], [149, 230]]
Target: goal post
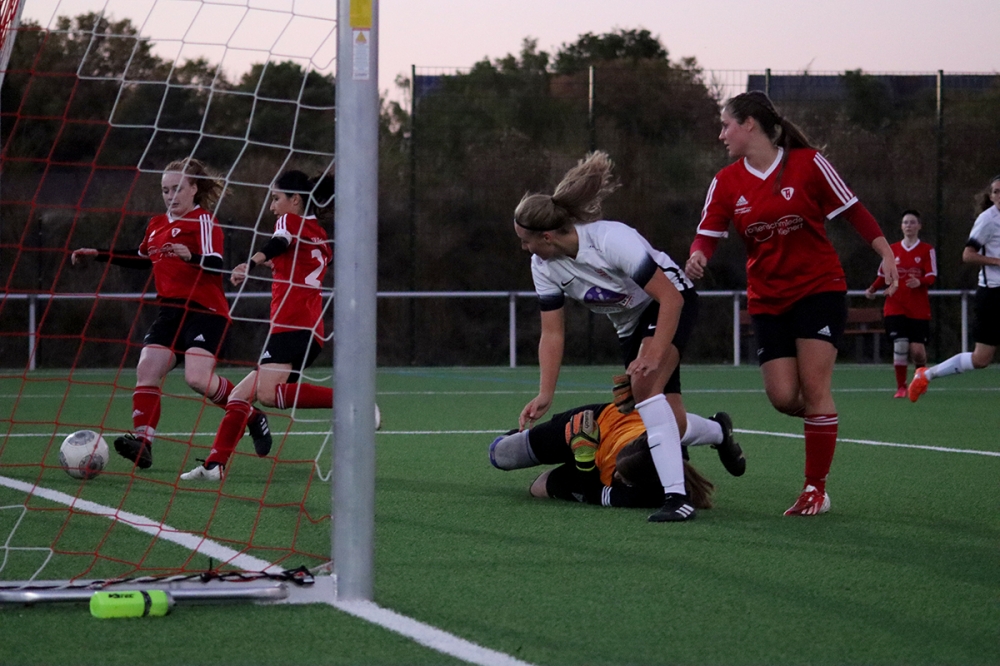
[[96, 107], [356, 223]]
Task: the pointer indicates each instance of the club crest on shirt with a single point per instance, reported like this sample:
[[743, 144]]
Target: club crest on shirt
[[174, 232], [787, 192], [599, 298]]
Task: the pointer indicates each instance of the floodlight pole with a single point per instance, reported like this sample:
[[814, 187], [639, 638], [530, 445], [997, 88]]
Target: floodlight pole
[[355, 257]]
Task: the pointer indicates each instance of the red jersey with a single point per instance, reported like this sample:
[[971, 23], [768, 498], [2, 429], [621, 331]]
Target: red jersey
[[183, 280], [789, 255], [919, 262], [296, 298]]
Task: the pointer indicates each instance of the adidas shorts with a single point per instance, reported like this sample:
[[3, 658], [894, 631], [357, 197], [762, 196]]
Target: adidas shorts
[[816, 317], [986, 330], [566, 482], [295, 348], [689, 314], [914, 330], [180, 328]]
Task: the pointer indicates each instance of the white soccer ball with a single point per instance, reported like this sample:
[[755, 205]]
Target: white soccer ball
[[83, 454]]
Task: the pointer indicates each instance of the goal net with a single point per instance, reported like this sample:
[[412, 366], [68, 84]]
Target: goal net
[[98, 98]]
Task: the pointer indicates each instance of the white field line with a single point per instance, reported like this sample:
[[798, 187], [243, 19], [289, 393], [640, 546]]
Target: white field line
[[426, 635], [193, 542], [872, 442]]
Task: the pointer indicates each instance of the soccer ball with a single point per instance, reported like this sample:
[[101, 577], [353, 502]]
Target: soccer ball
[[83, 454]]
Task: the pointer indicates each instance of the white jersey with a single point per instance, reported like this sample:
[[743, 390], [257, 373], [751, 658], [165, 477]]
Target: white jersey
[[613, 264], [985, 237]]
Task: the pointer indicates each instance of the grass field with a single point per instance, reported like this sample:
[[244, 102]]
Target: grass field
[[903, 570]]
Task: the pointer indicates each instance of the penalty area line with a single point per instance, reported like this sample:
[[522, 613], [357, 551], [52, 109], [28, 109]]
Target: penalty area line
[[872, 442]]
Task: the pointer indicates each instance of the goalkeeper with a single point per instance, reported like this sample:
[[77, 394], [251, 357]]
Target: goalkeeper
[[603, 458]]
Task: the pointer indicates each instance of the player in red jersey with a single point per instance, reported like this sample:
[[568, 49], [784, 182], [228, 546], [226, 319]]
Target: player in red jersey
[[184, 248], [908, 311], [298, 254], [779, 195]]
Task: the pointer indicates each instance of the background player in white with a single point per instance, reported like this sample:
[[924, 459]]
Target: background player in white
[[779, 195], [611, 269], [908, 311], [298, 254], [982, 250], [184, 249]]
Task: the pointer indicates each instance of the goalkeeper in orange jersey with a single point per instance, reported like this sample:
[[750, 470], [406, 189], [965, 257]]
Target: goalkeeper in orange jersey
[[602, 456]]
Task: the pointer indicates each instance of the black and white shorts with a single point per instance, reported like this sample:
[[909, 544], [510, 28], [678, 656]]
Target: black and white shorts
[[901, 326], [689, 315], [296, 348], [987, 306], [179, 328], [817, 317]]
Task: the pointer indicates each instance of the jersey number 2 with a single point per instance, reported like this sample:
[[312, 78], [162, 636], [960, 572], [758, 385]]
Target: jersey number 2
[[313, 278]]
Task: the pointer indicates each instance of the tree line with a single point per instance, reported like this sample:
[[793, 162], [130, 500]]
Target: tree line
[[89, 114]]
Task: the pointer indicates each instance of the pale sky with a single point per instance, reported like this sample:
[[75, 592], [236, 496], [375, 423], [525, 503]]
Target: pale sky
[[818, 35]]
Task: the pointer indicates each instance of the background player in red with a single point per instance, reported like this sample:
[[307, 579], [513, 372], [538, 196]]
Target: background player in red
[[184, 248], [908, 311], [983, 251], [298, 254], [779, 195]]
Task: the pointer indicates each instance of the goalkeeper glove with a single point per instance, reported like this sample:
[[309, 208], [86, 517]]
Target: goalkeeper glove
[[583, 436], [624, 400]]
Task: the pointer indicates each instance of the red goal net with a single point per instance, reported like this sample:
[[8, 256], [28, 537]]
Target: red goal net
[[94, 108]]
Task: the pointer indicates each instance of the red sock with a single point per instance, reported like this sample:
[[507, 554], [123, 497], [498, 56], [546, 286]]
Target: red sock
[[900, 376], [305, 396], [221, 395], [821, 440], [146, 411], [230, 431]]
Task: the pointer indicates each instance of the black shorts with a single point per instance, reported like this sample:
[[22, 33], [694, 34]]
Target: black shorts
[[689, 315], [986, 330], [566, 482], [817, 317], [901, 326], [296, 348], [180, 328]]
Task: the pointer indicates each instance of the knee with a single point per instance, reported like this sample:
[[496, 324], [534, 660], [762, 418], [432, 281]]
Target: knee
[[198, 384], [267, 398]]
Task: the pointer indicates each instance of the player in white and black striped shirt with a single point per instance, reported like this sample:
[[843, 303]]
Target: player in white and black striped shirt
[[983, 250]]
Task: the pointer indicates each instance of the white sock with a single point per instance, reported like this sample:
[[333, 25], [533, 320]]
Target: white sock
[[701, 431], [664, 442], [955, 365]]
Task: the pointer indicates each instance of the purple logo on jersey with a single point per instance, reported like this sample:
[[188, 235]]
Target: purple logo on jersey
[[599, 296]]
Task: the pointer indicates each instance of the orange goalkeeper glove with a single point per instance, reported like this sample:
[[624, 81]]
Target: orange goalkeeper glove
[[624, 400], [583, 436]]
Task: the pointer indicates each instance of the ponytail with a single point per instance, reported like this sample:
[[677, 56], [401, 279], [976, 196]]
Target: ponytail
[[577, 198], [317, 193]]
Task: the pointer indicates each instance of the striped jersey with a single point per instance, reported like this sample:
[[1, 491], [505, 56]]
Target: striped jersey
[[184, 280], [608, 274], [296, 296], [782, 223]]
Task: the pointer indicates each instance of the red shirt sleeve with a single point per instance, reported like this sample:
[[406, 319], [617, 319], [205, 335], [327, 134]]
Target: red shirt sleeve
[[706, 244], [863, 222]]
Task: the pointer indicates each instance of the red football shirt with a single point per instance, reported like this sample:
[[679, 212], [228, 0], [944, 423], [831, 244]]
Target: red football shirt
[[920, 262], [176, 278], [783, 226], [296, 297]]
